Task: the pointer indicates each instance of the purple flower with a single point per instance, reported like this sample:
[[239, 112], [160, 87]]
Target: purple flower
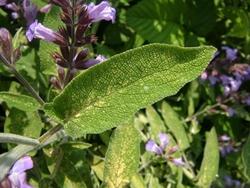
[[37, 30], [178, 161], [12, 6], [30, 12], [230, 182], [101, 58], [163, 150], [226, 145], [231, 54], [17, 175], [224, 138], [213, 80], [153, 147], [231, 112], [204, 76], [15, 15], [3, 2], [164, 140], [102, 11], [246, 101]]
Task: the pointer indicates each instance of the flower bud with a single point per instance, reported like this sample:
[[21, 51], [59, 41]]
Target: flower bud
[[6, 48]]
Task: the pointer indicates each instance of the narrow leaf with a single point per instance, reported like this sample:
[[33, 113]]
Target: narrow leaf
[[246, 158], [210, 162], [155, 121], [122, 158], [175, 125], [107, 94], [21, 102]]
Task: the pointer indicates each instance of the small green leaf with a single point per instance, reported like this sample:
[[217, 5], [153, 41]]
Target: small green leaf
[[122, 158], [22, 102], [137, 181], [155, 121], [210, 163], [107, 94], [23, 123], [175, 125], [246, 158]]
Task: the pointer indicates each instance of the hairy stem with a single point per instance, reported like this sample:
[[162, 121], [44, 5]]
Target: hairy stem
[[22, 80]]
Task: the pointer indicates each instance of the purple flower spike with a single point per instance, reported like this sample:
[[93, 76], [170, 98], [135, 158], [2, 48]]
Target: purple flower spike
[[178, 161], [3, 2], [153, 147], [17, 175], [37, 30], [30, 12], [164, 140], [103, 11]]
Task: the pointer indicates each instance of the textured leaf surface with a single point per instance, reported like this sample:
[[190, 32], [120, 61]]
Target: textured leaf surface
[[122, 158], [175, 125], [107, 94], [246, 158], [48, 65], [22, 102], [210, 163]]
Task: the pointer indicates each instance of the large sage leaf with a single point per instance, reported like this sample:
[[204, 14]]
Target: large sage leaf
[[122, 158], [210, 163], [107, 94]]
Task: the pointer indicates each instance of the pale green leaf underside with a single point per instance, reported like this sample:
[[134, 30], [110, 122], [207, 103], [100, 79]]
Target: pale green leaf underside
[[122, 158], [107, 94], [21, 102], [210, 163]]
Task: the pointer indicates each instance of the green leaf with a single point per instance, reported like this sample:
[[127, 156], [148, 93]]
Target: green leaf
[[122, 158], [210, 163], [155, 121], [246, 158], [107, 94], [157, 21], [23, 123], [48, 65], [22, 102], [69, 165], [175, 125]]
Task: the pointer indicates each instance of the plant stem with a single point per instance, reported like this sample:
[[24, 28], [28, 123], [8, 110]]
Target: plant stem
[[208, 108], [50, 133], [22, 80], [17, 139], [72, 45]]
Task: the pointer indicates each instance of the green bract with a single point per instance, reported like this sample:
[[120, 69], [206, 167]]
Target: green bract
[[108, 94]]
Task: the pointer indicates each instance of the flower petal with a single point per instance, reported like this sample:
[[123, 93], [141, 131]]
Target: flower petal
[[22, 165], [164, 140], [153, 147]]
